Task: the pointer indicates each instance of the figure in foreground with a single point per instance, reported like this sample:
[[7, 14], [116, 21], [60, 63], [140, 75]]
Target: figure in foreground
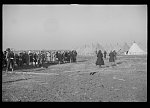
[[99, 60]]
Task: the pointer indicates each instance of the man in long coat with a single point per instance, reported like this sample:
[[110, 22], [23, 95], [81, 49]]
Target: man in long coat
[[115, 54], [99, 60], [105, 54], [112, 57]]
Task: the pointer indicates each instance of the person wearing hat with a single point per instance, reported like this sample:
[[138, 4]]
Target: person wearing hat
[[10, 59]]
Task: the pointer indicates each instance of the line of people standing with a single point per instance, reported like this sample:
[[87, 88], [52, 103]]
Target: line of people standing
[[36, 59], [100, 60]]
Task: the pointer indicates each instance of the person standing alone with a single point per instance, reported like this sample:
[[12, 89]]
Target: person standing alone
[[111, 57], [99, 60]]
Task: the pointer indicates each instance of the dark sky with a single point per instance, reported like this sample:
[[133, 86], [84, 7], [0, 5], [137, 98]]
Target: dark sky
[[68, 26]]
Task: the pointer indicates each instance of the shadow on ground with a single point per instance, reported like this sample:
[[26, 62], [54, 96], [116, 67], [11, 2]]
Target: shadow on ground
[[46, 65]]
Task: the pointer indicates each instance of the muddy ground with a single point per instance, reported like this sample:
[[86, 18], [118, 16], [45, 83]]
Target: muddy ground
[[79, 82]]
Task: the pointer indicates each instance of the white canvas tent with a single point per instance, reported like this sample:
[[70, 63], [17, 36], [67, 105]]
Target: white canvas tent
[[135, 50]]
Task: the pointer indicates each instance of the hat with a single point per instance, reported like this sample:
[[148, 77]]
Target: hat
[[8, 49]]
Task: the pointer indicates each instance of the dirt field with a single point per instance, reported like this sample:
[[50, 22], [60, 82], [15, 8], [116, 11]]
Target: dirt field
[[79, 82]]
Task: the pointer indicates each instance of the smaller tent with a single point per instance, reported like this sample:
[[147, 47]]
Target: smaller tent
[[135, 50], [124, 49], [89, 49]]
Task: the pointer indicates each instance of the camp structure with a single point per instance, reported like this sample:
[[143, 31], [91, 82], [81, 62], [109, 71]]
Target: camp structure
[[135, 50], [124, 49], [89, 49]]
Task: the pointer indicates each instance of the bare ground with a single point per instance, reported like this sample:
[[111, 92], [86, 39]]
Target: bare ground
[[80, 82]]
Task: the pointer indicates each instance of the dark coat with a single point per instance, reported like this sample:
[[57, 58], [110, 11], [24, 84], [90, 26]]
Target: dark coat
[[105, 54], [10, 55], [31, 57], [27, 58], [99, 60], [35, 57], [59, 57], [115, 54], [112, 57], [23, 58]]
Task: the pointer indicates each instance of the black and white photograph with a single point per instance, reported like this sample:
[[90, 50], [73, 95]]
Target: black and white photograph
[[74, 53]]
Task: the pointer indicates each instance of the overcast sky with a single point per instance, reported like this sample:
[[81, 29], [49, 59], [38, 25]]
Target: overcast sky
[[67, 26]]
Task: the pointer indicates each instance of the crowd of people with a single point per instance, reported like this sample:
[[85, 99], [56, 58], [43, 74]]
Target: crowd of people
[[100, 60], [12, 59]]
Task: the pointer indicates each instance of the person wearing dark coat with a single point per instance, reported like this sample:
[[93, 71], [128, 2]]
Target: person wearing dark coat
[[99, 60], [115, 54], [20, 59], [68, 56], [111, 57], [105, 54], [17, 59]]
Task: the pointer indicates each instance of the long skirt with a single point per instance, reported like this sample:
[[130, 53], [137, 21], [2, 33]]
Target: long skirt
[[99, 61]]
